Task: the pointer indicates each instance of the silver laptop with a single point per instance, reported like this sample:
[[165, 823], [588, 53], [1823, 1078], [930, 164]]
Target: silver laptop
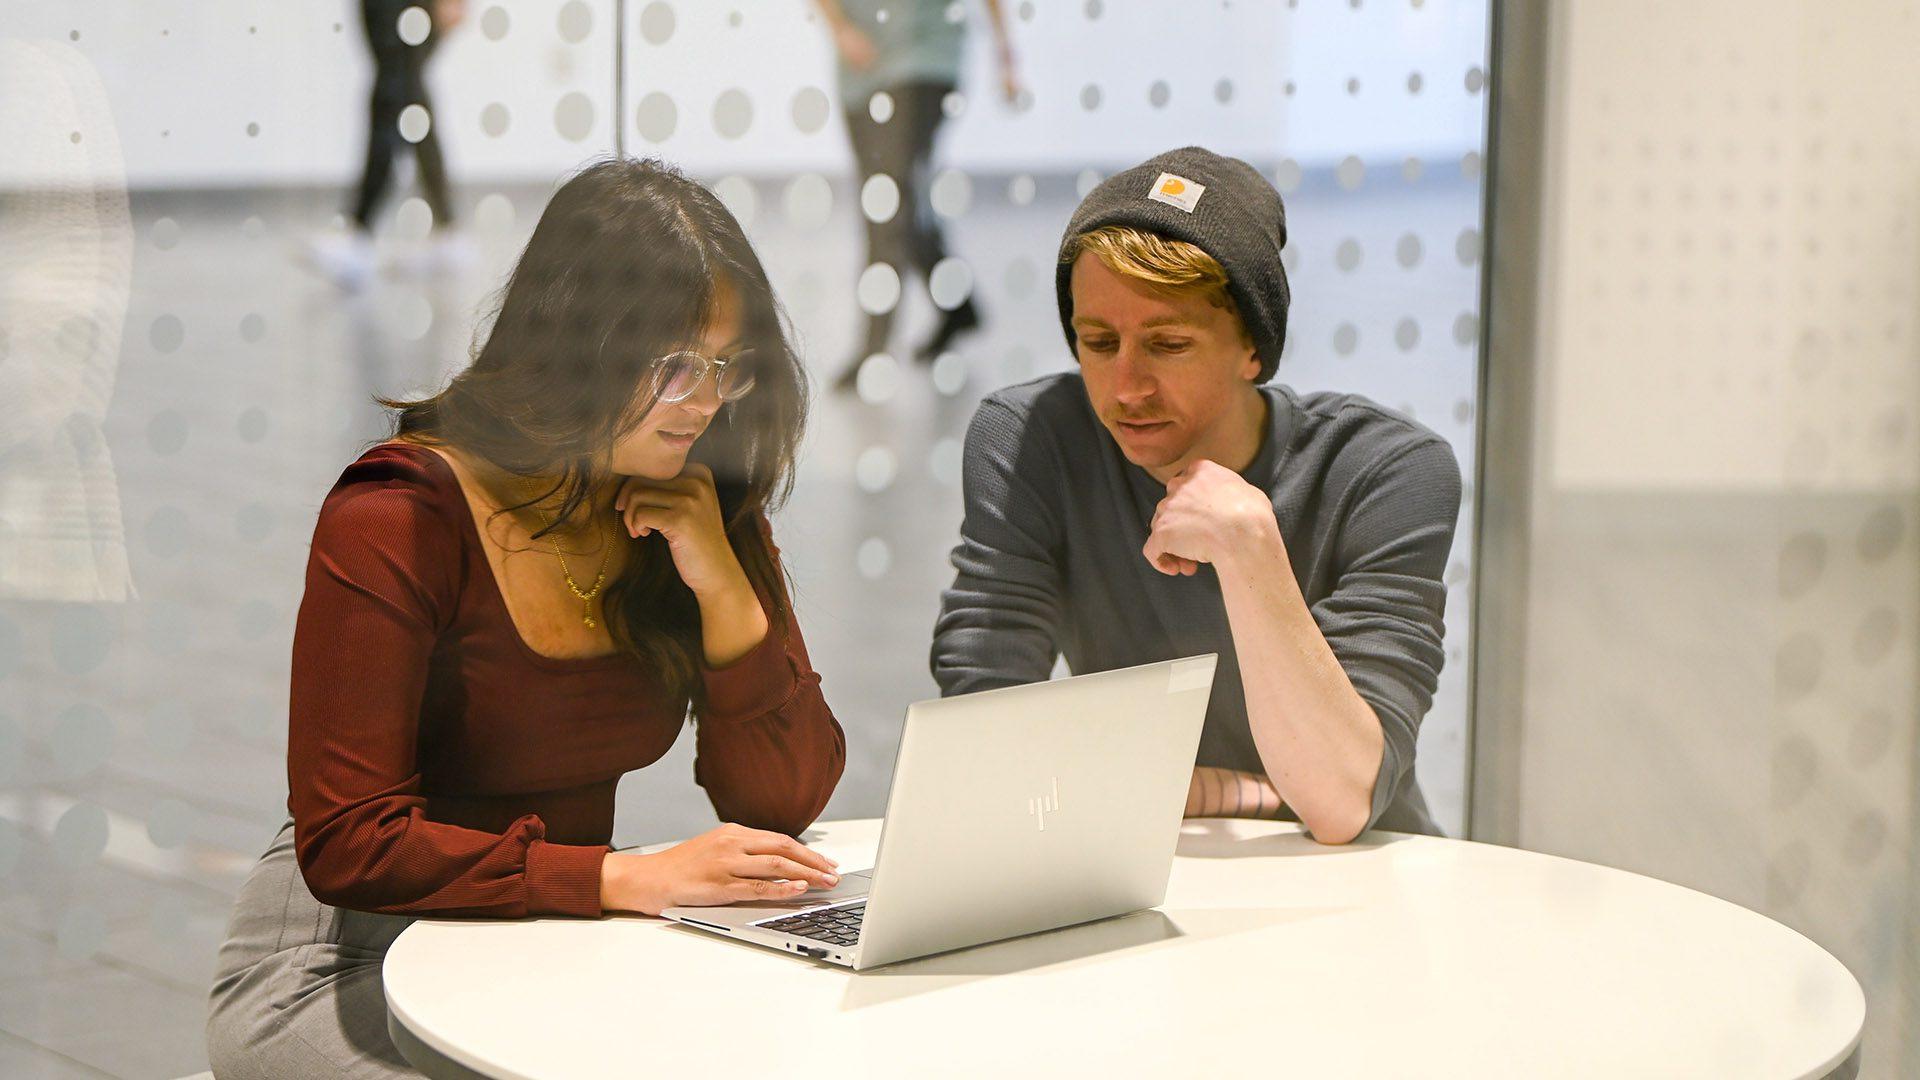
[[1012, 811]]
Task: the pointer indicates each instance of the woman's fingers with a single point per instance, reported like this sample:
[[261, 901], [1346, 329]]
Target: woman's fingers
[[779, 866], [648, 495], [762, 889], [626, 489], [760, 842], [646, 519], [642, 520]]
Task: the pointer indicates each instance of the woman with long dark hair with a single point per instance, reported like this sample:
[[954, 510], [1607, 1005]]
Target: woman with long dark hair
[[519, 598]]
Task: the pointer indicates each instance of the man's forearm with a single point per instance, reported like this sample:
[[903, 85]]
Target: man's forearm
[[997, 19], [836, 16], [1319, 741], [1216, 792]]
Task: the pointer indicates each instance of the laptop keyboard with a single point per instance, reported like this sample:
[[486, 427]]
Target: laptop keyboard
[[833, 925]]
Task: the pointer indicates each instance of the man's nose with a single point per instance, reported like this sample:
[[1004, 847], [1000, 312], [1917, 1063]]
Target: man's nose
[[1133, 381]]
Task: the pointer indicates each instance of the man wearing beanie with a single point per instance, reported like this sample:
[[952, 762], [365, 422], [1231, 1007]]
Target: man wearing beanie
[[1162, 501]]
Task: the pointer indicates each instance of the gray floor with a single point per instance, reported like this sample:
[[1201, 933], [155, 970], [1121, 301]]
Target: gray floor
[[141, 744]]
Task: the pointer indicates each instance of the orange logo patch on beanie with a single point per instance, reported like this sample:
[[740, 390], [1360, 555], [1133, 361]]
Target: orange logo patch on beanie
[[1177, 191]]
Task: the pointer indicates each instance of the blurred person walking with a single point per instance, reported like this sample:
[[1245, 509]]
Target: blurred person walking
[[399, 80], [909, 51]]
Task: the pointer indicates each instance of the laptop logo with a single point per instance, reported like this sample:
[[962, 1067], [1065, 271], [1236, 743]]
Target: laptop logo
[[1041, 805]]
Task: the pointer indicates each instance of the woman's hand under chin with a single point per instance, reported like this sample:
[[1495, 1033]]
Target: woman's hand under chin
[[686, 511]]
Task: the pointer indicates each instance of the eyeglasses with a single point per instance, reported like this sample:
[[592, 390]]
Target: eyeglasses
[[677, 375]]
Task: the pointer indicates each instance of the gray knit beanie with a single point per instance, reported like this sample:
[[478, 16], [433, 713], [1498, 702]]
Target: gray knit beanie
[[1221, 205]]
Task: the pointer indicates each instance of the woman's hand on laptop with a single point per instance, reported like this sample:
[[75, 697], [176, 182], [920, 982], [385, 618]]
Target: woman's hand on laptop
[[722, 866]]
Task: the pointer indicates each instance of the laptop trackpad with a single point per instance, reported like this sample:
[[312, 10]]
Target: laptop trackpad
[[852, 887]]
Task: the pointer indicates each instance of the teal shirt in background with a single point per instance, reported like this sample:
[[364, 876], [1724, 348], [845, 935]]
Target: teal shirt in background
[[915, 42]]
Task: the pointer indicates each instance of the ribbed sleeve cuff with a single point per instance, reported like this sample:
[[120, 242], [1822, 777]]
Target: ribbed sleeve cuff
[[564, 879], [758, 683], [1386, 783]]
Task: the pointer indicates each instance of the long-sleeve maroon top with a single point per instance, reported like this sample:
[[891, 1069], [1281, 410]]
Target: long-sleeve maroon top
[[437, 764]]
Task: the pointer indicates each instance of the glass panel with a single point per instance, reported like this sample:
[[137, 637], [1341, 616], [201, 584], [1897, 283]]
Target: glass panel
[[194, 332]]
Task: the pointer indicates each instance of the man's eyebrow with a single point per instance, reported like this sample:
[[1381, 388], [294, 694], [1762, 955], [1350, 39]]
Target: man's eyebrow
[[1170, 320], [1159, 320]]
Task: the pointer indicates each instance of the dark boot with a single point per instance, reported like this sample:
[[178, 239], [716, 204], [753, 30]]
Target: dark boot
[[960, 320], [879, 329]]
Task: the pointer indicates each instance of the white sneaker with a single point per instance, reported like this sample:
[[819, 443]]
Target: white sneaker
[[444, 252], [346, 259], [452, 252]]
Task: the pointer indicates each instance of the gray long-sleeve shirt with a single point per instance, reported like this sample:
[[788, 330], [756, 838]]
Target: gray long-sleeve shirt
[[1049, 562]]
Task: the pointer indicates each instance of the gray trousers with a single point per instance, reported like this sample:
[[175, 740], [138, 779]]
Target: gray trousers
[[297, 992]]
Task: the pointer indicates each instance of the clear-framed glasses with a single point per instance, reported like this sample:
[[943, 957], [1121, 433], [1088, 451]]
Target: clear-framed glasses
[[677, 375]]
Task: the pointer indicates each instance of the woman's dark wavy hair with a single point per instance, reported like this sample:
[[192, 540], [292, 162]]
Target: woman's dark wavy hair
[[622, 269]]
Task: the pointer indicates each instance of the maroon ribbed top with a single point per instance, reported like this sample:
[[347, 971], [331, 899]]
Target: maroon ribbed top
[[437, 764]]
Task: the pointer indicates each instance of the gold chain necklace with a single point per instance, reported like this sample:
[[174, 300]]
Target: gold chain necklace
[[599, 579]]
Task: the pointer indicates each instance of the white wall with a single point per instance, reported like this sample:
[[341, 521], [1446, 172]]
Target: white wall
[[1720, 664], [1735, 216]]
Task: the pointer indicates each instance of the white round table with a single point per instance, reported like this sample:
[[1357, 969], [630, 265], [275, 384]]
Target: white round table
[[1394, 956]]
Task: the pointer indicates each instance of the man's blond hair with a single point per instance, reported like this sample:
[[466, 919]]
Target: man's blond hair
[[1170, 266]]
